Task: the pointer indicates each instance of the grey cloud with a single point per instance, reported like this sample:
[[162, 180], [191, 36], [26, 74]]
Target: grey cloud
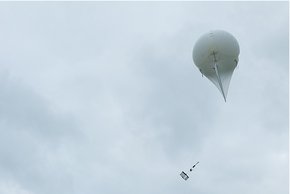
[[32, 135], [103, 97]]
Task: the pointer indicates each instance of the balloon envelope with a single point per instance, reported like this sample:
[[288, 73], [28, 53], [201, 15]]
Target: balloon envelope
[[216, 54]]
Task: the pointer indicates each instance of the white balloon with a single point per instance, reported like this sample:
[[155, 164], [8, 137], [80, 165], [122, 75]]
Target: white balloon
[[216, 54]]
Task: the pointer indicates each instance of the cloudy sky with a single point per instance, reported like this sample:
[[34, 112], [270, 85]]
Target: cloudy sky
[[103, 97]]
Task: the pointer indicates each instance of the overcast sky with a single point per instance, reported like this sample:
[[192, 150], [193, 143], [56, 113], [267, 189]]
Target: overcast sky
[[104, 98]]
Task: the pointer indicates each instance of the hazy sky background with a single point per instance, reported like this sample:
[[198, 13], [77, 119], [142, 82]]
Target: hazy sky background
[[104, 98]]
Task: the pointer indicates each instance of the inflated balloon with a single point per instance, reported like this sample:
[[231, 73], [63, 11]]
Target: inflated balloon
[[216, 54]]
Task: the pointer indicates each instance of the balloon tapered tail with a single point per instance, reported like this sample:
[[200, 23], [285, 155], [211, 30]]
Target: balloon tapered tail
[[219, 81]]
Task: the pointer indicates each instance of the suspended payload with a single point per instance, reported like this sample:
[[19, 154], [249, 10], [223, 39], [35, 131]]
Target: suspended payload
[[184, 175], [216, 55]]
